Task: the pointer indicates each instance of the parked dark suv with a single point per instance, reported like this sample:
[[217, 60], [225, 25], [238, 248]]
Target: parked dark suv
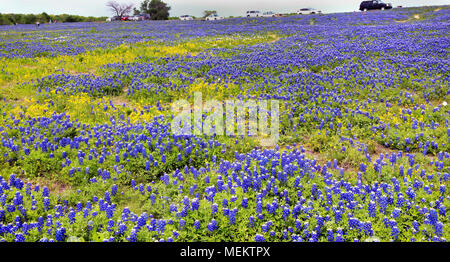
[[374, 4]]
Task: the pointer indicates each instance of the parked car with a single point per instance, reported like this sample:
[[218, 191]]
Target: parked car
[[214, 17], [133, 18], [125, 18], [186, 17], [114, 18], [253, 14], [308, 11], [374, 5], [269, 14], [141, 17]]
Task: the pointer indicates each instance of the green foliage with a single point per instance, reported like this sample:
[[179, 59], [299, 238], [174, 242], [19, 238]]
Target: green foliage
[[209, 12], [11, 19], [157, 9]]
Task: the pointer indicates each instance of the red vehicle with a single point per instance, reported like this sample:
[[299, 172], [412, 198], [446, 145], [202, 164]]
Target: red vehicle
[[125, 18]]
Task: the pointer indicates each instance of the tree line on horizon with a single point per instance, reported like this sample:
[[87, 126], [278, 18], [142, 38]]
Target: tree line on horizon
[[156, 9], [12, 19]]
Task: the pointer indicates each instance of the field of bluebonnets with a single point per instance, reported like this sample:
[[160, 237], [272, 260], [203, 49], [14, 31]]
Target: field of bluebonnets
[[87, 153]]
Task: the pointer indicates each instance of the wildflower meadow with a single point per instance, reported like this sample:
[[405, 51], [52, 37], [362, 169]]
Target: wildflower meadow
[[361, 146]]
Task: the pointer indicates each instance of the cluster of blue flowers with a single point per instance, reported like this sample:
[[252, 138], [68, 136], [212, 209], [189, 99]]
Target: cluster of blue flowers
[[315, 208]]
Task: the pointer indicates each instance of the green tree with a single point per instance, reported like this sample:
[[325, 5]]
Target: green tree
[[119, 9], [157, 9], [17, 19], [45, 17], [30, 19], [71, 19], [9, 19], [209, 12], [3, 20]]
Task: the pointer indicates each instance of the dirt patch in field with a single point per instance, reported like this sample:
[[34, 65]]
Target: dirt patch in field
[[29, 66], [380, 149], [416, 16], [320, 158], [58, 187], [89, 72], [55, 187], [275, 39], [120, 101]]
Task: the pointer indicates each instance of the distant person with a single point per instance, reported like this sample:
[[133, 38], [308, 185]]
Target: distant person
[[38, 24]]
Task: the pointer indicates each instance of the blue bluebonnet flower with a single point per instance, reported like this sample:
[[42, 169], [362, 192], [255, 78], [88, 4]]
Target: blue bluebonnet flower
[[265, 227], [251, 221], [152, 198], [161, 225], [438, 228], [110, 225], [259, 238], [142, 220], [197, 224], [113, 191], [353, 223], [182, 224], [330, 235], [71, 216], [45, 192], [212, 226], [133, 236], [214, 208], [122, 228], [314, 237], [394, 232], [60, 234], [19, 237], [432, 216], [224, 202], [259, 207], [49, 221], [372, 209], [195, 204], [286, 212], [367, 226], [442, 210], [79, 206], [46, 203], [232, 216], [396, 212], [173, 208]]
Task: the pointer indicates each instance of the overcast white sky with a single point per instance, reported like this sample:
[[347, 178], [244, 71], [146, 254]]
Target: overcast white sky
[[195, 7]]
